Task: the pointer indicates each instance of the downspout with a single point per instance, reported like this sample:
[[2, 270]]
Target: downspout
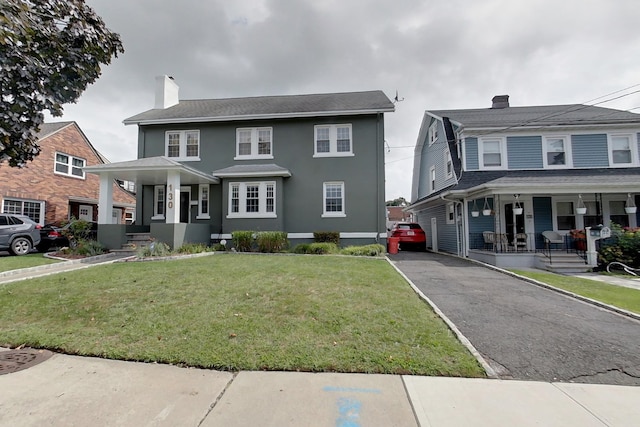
[[380, 176], [460, 206]]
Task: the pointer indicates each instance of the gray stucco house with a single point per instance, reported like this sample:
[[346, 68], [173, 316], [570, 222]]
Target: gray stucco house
[[298, 164], [488, 182]]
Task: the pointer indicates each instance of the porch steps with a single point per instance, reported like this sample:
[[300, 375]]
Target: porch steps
[[135, 241], [562, 262]]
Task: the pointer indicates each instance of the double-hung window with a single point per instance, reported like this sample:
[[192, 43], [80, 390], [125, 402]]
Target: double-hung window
[[68, 165], [183, 144], [158, 202], [433, 132], [448, 164], [203, 201], [492, 153], [252, 199], [254, 143], [556, 152], [622, 150], [565, 216], [432, 179], [333, 199], [333, 141]]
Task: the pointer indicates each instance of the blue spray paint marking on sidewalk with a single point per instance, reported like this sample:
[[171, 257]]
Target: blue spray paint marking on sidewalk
[[349, 408]]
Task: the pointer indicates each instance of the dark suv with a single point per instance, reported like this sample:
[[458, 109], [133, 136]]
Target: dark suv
[[18, 234]]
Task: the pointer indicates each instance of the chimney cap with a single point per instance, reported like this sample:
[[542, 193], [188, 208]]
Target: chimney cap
[[500, 101]]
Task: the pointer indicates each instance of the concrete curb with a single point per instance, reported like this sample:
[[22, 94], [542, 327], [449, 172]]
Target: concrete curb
[[491, 373]]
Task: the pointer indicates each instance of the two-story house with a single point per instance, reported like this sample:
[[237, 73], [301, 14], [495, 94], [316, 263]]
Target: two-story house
[[298, 164], [487, 183], [54, 187]]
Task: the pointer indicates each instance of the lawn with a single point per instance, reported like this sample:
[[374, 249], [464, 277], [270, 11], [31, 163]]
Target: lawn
[[10, 262], [238, 312], [618, 296]]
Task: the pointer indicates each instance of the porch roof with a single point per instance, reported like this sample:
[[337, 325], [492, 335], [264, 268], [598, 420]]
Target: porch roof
[[152, 170], [248, 171]]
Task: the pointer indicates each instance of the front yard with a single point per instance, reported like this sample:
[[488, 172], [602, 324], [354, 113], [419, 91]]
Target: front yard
[[11, 262], [238, 312]]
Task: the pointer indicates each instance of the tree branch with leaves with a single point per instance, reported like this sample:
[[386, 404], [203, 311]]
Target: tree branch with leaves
[[50, 51]]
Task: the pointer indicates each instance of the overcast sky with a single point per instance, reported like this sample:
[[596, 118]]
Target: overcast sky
[[438, 55]]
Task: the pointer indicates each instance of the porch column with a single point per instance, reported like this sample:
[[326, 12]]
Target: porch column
[[173, 197], [105, 199]]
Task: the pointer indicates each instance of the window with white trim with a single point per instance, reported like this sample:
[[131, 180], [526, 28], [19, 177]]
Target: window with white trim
[[254, 143], [31, 208], [333, 199], [432, 179], [451, 212], [158, 202], [182, 144], [203, 201], [252, 199], [448, 164], [333, 141], [565, 216], [556, 152], [433, 132], [492, 153], [68, 165], [622, 150]]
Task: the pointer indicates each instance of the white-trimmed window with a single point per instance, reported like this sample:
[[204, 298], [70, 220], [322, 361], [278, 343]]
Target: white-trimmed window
[[556, 152], [333, 141], [448, 164], [622, 150], [451, 212], [31, 208], [565, 216], [254, 143], [432, 179], [492, 153], [203, 201], [433, 132], [333, 199], [252, 200], [159, 197], [182, 144], [68, 165]]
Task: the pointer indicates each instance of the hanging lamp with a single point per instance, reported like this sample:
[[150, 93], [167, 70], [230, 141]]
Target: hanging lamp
[[474, 210], [630, 207], [581, 209], [486, 209], [517, 210]]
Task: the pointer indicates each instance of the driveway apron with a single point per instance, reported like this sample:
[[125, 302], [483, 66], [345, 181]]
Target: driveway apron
[[525, 331]]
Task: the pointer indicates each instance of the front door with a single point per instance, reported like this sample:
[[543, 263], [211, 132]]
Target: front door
[[185, 204], [514, 224], [85, 213]]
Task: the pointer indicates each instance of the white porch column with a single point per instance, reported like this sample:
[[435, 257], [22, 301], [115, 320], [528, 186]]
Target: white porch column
[[105, 199], [173, 197]]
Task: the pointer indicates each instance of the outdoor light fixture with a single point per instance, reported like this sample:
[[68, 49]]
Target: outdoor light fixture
[[630, 207], [474, 210], [486, 209], [518, 207], [581, 209]]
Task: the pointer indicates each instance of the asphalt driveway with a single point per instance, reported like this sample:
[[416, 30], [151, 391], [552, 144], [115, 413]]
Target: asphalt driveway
[[524, 331]]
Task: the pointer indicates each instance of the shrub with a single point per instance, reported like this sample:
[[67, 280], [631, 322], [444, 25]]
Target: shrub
[[85, 248], [366, 250], [219, 247], [316, 248], [193, 248], [302, 248], [624, 247], [327, 237], [243, 240], [154, 249], [78, 229], [272, 241]]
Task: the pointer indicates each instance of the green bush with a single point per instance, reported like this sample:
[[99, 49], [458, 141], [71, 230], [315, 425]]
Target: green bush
[[316, 248], [243, 240], [366, 250], [89, 248], [219, 247], [78, 229], [624, 247], [272, 241], [193, 248], [155, 249], [327, 237]]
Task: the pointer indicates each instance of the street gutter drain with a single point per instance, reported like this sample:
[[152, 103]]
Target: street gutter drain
[[20, 359]]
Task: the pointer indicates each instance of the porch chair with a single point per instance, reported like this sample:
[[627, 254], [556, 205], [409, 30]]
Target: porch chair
[[502, 242], [520, 242], [489, 238], [552, 238]]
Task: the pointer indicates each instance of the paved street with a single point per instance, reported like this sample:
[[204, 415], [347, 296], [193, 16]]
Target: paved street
[[525, 331]]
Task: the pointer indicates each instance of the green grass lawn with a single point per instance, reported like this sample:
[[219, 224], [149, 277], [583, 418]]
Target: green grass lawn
[[618, 296], [10, 262], [238, 312]]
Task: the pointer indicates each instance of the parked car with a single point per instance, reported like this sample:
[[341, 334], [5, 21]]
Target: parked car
[[411, 235], [18, 234], [52, 237]]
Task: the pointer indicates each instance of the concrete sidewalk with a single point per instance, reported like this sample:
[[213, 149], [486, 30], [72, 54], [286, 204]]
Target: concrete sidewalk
[[76, 391]]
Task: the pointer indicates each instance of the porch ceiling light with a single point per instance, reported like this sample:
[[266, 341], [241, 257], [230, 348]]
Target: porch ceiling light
[[581, 209], [630, 206]]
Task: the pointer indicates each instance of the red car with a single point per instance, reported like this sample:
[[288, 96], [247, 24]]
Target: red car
[[411, 235]]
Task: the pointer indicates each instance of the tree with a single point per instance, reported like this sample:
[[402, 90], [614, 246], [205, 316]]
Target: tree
[[50, 51], [400, 201]]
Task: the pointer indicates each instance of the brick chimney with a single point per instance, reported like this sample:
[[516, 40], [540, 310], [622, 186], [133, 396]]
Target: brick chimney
[[500, 101], [166, 92]]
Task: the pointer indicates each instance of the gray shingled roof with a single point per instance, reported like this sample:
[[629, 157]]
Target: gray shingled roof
[[268, 107], [252, 170], [47, 129], [549, 115]]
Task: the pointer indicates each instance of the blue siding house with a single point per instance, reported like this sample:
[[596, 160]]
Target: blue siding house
[[298, 164], [488, 182]]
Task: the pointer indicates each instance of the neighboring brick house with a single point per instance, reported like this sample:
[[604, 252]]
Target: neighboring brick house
[[54, 187], [396, 214]]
